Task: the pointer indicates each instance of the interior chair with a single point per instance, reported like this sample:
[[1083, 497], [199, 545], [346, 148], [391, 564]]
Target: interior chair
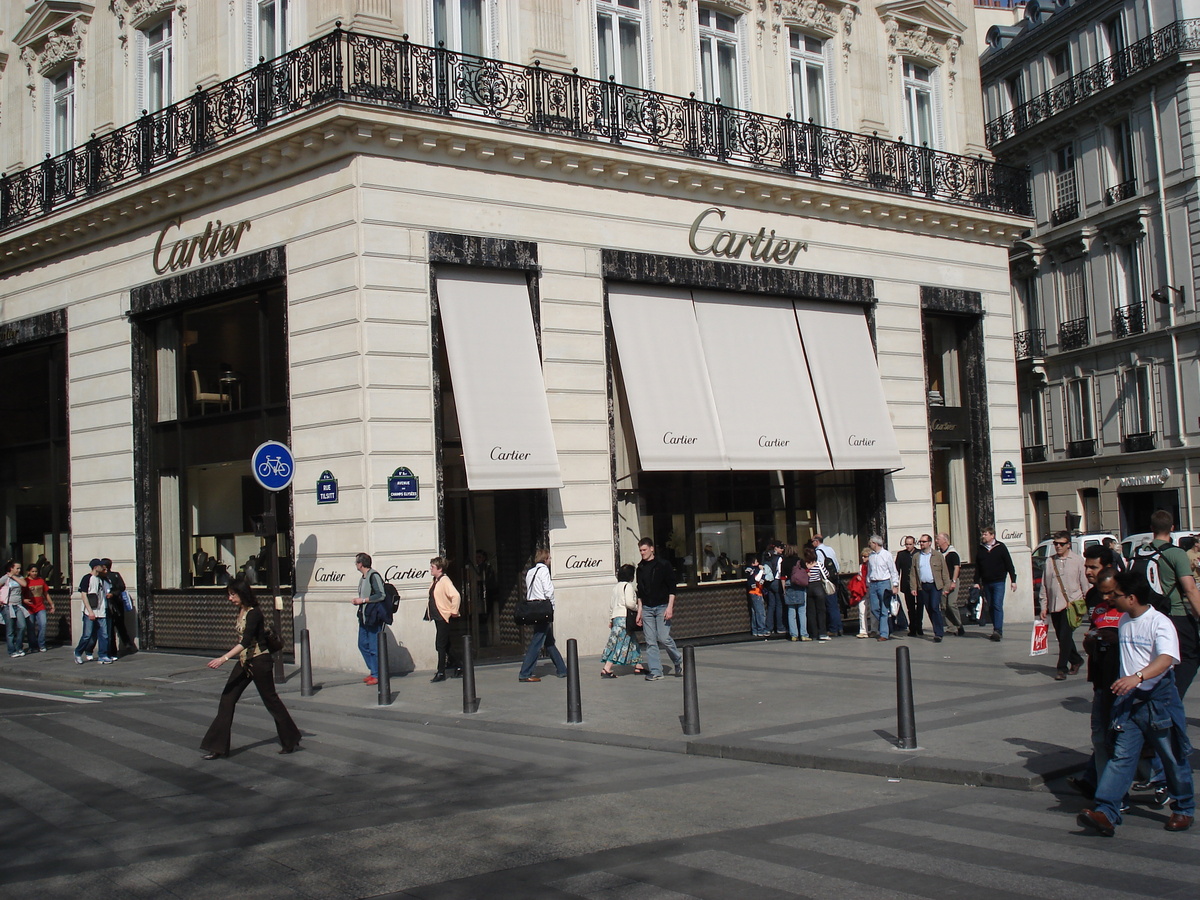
[[203, 398]]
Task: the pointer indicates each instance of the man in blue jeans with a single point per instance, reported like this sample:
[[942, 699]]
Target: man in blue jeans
[[370, 590], [94, 590], [993, 570], [656, 608], [1147, 709]]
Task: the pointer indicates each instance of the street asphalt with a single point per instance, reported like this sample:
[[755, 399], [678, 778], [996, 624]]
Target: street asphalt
[[986, 713]]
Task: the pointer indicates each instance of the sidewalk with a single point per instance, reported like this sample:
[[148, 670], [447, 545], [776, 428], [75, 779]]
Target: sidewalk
[[986, 713]]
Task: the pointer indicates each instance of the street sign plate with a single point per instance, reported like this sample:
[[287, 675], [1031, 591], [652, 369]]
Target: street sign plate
[[273, 465]]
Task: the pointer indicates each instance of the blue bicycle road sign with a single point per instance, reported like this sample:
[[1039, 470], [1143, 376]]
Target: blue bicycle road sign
[[273, 465]]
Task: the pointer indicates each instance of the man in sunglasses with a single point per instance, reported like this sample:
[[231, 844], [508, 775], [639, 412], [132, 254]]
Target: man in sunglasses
[[1063, 583]]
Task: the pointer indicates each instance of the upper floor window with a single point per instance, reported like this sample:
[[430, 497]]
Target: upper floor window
[[60, 112], [272, 21], [460, 25], [1060, 64], [156, 66], [1066, 189], [1121, 150], [1138, 401], [619, 41], [1029, 303], [1114, 34], [918, 104], [1081, 425], [1033, 423], [719, 57], [808, 78], [1074, 293], [1015, 88], [1127, 281]]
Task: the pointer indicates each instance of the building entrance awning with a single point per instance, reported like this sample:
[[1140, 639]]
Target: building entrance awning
[[496, 372]]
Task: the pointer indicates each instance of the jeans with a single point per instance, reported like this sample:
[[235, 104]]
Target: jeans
[[930, 598], [368, 646], [993, 596], [758, 615], [773, 594], [1067, 654], [1189, 652], [796, 602], [657, 629], [817, 610], [881, 604], [543, 635], [37, 630], [95, 634], [14, 627], [833, 612], [1171, 748]]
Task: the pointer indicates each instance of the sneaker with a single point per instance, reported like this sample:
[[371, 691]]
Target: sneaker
[[795, 638], [654, 678], [78, 659], [1161, 798], [370, 679], [862, 635], [1143, 785], [679, 670], [824, 638], [87, 657], [107, 660], [18, 653]]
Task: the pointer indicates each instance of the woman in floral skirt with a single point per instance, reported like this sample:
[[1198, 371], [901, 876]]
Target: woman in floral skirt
[[622, 648]]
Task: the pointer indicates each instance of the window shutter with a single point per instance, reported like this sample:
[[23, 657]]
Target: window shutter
[[1112, 410], [249, 30], [939, 126], [140, 51], [47, 96], [831, 104]]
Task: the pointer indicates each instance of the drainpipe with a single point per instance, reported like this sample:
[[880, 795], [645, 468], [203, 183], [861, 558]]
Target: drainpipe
[[1169, 259]]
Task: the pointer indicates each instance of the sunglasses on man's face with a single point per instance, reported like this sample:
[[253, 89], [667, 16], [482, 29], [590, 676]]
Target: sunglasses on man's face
[[1062, 543]]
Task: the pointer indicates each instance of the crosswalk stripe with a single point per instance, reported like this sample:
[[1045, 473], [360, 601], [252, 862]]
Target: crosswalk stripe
[[38, 696], [784, 878]]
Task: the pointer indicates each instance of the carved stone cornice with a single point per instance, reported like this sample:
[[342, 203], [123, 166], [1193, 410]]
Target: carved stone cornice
[[925, 31], [136, 13], [53, 34]]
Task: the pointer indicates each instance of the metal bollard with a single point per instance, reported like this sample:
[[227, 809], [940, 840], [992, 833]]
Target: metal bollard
[[906, 720], [691, 695], [470, 701], [385, 672], [574, 700], [306, 689]]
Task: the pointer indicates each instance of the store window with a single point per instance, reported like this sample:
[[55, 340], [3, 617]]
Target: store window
[[34, 482], [461, 25], [219, 379], [919, 105], [619, 48], [719, 58], [60, 112], [1081, 423], [156, 55], [808, 78]]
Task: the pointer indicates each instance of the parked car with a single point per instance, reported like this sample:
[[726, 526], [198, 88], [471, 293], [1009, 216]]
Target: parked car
[[1131, 542], [1079, 543]]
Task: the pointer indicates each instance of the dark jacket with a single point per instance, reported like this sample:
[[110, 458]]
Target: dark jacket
[[994, 564], [655, 582]]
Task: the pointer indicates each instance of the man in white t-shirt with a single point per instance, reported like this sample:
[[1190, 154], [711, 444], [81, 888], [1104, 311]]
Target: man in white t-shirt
[[1147, 708]]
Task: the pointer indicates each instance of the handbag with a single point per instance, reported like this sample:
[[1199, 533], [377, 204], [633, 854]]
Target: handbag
[[1039, 641], [530, 612], [799, 576], [630, 597], [272, 641], [127, 600]]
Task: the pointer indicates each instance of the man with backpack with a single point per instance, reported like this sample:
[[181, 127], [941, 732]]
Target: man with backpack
[[370, 620], [1169, 572]]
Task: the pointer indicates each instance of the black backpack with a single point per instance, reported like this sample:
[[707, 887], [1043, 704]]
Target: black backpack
[[382, 612], [1145, 561]]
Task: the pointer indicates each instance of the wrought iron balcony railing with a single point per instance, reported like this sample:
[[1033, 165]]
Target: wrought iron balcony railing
[[1080, 449], [1136, 443], [1030, 344], [1073, 334], [1065, 213], [1033, 454], [344, 67], [1129, 320], [1177, 37], [1119, 192]]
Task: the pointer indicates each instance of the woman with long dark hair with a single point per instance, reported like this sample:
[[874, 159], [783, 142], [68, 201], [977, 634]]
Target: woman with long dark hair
[[622, 647], [253, 665], [444, 603]]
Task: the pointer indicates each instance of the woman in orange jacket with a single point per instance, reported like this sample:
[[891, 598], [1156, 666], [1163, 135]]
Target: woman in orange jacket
[[444, 601]]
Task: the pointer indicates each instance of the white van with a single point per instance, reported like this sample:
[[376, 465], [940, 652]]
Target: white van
[[1131, 542]]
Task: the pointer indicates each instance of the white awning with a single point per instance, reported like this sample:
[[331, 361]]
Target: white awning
[[849, 392], [496, 372], [764, 396], [666, 381]]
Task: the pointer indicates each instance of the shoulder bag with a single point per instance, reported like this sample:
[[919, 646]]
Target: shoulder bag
[[1077, 608], [532, 611]]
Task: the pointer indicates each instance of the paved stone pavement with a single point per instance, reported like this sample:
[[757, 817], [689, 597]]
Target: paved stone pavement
[[986, 713]]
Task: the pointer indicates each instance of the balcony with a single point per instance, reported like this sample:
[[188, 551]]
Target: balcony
[[1080, 449], [1129, 320], [347, 68], [1073, 335], [1139, 443], [1065, 213], [1122, 191], [1165, 43], [1034, 454], [1030, 344]]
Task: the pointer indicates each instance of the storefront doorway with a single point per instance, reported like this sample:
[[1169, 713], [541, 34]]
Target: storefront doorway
[[491, 537], [1138, 506]]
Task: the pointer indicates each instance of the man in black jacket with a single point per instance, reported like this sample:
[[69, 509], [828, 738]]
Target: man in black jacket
[[656, 608], [904, 563], [992, 564], [116, 614]]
